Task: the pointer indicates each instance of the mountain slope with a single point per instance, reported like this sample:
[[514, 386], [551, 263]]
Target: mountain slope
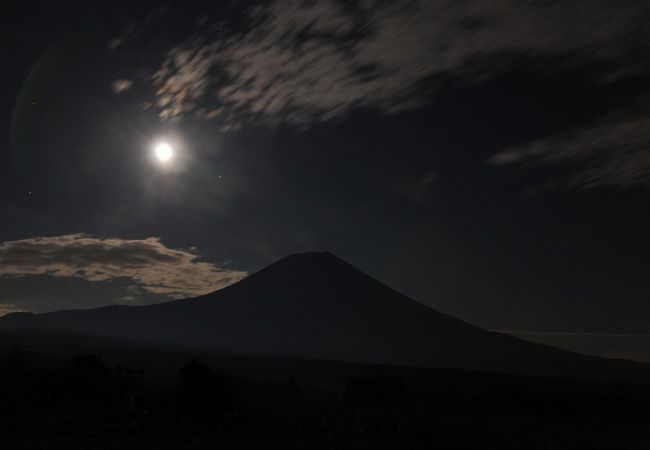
[[315, 305]]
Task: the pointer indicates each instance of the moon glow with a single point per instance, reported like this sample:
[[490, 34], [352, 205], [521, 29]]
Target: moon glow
[[164, 152]]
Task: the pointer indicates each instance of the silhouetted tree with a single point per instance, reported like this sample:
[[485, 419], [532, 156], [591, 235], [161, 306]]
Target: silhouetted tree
[[202, 392], [88, 376], [293, 395], [450, 400], [375, 391]]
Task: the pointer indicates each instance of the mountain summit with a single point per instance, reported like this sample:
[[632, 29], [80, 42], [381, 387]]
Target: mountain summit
[[315, 305]]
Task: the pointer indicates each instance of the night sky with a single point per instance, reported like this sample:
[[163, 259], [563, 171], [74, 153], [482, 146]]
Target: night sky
[[490, 159]]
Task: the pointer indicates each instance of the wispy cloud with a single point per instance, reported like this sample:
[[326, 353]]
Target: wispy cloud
[[606, 345], [614, 154], [148, 263], [120, 86], [307, 62], [8, 308]]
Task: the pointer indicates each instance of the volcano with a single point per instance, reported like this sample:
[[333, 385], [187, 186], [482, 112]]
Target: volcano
[[317, 306]]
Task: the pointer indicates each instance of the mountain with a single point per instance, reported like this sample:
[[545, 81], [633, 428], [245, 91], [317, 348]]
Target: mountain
[[315, 305]]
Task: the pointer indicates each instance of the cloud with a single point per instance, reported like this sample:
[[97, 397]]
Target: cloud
[[120, 86], [307, 62], [606, 345], [114, 43], [8, 308], [148, 263], [610, 154]]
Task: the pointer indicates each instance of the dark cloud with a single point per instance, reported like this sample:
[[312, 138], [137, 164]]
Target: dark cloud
[[307, 62], [610, 154], [147, 263]]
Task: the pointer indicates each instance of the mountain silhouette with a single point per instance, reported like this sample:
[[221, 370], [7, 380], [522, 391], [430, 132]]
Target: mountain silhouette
[[315, 305]]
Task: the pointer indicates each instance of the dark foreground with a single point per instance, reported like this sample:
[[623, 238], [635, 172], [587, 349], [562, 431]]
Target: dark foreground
[[82, 402]]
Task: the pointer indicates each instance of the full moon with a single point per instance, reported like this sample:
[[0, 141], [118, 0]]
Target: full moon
[[163, 152]]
